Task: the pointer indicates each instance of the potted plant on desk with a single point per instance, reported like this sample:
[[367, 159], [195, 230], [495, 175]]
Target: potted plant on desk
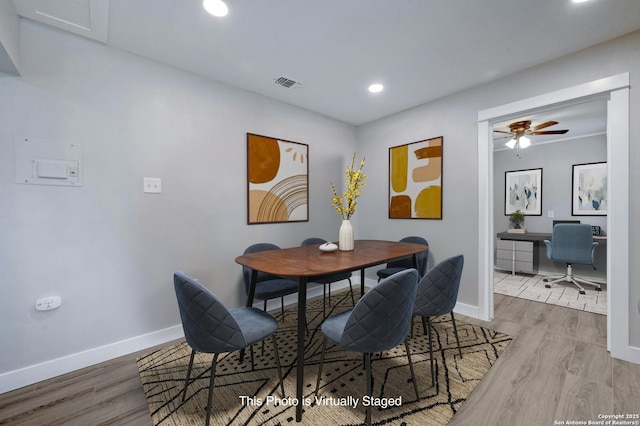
[[517, 220]]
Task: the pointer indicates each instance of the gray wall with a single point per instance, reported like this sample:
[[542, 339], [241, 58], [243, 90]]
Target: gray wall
[[556, 161], [108, 249]]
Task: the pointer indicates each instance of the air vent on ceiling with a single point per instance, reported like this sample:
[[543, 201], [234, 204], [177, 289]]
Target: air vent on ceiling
[[287, 82]]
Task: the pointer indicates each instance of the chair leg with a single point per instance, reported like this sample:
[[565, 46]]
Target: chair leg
[[455, 331], [353, 300], [413, 376], [282, 306], [324, 347], [186, 382], [367, 365], [430, 350], [264, 309], [211, 381], [275, 351]]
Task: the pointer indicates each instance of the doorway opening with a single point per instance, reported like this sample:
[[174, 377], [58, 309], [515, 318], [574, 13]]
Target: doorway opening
[[616, 90]]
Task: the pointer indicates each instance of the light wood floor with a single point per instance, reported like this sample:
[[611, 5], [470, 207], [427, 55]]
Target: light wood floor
[[557, 368]]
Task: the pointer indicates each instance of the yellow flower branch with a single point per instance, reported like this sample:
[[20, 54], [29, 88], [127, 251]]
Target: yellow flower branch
[[345, 204]]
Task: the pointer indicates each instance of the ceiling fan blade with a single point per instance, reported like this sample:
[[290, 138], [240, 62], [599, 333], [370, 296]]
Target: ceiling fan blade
[[502, 131], [543, 125], [551, 132]]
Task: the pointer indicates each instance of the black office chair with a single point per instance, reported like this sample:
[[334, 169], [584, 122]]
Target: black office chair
[[407, 263], [327, 280], [210, 327], [571, 243]]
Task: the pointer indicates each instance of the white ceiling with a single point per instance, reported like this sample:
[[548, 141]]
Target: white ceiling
[[420, 50]]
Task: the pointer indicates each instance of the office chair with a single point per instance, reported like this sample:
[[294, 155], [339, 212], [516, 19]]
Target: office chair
[[326, 280], [407, 263], [571, 243], [437, 295], [379, 321], [209, 327], [268, 286]]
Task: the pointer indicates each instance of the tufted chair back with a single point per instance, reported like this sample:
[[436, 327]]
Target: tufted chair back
[[438, 290], [208, 326], [382, 317]]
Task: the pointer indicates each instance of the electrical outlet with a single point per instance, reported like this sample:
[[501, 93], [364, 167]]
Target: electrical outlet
[[152, 185], [48, 303]]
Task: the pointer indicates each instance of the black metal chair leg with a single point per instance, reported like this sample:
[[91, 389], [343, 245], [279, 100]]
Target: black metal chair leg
[[353, 300], [211, 381], [367, 362], [186, 382], [413, 376], [275, 351], [455, 331], [324, 347], [430, 350], [253, 367]]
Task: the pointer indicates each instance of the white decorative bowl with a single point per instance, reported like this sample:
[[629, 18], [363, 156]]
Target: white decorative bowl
[[328, 247]]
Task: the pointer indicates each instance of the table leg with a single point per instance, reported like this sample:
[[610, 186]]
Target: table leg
[[361, 282], [302, 321]]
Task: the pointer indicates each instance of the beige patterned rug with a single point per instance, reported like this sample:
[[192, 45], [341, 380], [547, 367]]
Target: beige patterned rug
[[245, 397], [532, 287]]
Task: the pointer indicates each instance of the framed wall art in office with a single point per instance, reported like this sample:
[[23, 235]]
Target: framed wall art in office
[[589, 189], [415, 180], [277, 180], [523, 191]]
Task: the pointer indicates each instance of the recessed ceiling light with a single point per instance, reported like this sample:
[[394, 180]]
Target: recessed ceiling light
[[376, 88], [215, 7], [579, 1]]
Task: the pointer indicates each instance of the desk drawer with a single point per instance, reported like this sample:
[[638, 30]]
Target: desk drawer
[[521, 256], [520, 266], [520, 245]]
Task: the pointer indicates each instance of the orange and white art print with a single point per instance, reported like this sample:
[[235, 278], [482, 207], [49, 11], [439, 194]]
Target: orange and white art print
[[277, 180], [415, 180]]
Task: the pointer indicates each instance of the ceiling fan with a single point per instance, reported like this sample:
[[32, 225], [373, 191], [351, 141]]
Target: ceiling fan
[[519, 130]]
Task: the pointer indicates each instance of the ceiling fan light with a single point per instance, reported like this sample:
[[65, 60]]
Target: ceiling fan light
[[215, 7], [511, 144], [524, 142]]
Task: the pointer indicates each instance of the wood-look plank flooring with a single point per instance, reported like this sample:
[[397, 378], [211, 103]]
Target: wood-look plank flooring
[[556, 369]]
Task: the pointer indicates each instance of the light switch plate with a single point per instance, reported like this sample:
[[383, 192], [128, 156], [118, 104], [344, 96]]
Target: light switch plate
[[152, 185]]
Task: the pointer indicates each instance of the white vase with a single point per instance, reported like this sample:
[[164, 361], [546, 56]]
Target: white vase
[[345, 237]]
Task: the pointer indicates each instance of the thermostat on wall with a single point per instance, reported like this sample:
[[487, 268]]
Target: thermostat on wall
[[47, 162]]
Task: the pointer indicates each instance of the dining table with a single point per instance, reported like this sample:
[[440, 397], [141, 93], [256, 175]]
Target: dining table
[[305, 262]]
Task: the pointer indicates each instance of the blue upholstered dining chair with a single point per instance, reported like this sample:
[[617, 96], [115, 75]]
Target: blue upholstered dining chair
[[379, 321], [571, 243], [437, 295], [268, 286], [210, 327], [327, 280], [407, 263]]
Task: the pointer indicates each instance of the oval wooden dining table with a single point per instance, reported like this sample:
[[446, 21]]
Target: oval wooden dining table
[[308, 261]]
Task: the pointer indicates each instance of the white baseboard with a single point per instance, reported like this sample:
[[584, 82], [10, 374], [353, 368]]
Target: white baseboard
[[468, 310], [46, 370]]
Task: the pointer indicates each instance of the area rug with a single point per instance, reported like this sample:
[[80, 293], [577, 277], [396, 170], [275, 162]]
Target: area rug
[[532, 287], [243, 396]]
